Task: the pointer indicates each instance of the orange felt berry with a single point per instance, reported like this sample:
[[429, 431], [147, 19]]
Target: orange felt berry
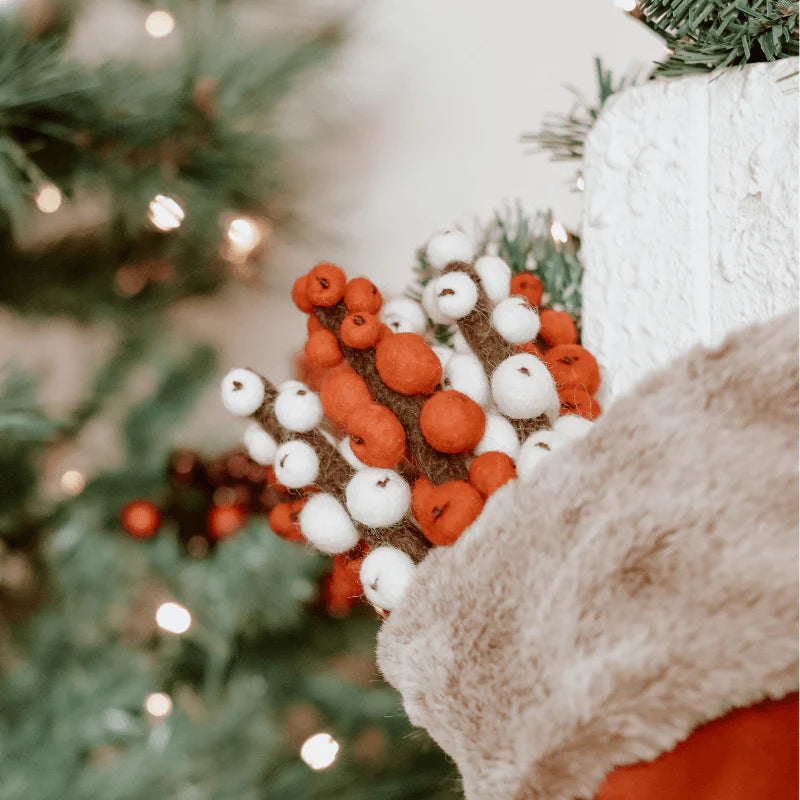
[[576, 400], [573, 365], [322, 349], [325, 285], [360, 330], [557, 327], [284, 520], [530, 347], [529, 286], [342, 391], [300, 295], [376, 436], [489, 471], [362, 295], [407, 364], [451, 422], [313, 325], [445, 511]]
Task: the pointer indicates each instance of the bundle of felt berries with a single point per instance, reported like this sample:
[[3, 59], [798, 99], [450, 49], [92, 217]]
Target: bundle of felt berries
[[406, 439]]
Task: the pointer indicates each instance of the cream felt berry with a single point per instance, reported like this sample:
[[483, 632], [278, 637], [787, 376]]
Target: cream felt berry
[[515, 320], [465, 373], [522, 387], [430, 302], [296, 464], [377, 498], [385, 574], [459, 343], [495, 277], [455, 294], [573, 426], [444, 354], [260, 446], [297, 408], [403, 315], [448, 246], [348, 455], [499, 436], [326, 524], [536, 448], [242, 392]]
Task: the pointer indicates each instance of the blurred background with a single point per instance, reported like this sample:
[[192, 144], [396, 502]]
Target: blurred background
[[166, 172]]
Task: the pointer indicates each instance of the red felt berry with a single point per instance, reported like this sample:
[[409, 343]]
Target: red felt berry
[[284, 520], [451, 422], [360, 330], [322, 349], [362, 295], [529, 286], [300, 295], [342, 390], [576, 400], [557, 327], [573, 365], [224, 521], [407, 364], [445, 511], [489, 471], [376, 436], [325, 285]]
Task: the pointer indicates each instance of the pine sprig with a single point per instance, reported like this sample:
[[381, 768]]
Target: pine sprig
[[705, 35]]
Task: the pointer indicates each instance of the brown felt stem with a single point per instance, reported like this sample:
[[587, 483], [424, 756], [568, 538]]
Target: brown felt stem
[[437, 467], [334, 475]]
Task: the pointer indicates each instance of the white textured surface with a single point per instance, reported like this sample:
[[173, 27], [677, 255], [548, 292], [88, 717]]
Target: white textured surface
[[691, 215]]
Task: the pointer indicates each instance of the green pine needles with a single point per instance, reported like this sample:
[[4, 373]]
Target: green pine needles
[[705, 35]]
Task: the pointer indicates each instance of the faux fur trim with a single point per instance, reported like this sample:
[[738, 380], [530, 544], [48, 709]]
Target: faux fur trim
[[643, 583]]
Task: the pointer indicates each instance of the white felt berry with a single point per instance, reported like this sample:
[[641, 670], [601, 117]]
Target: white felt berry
[[522, 387], [348, 455], [298, 409], [296, 464], [573, 426], [447, 246], [378, 498], [290, 384], [325, 523], [431, 305], [495, 277], [259, 444], [385, 574], [455, 294], [459, 342], [403, 315], [444, 354], [499, 435], [515, 320], [242, 392], [465, 374], [537, 447]]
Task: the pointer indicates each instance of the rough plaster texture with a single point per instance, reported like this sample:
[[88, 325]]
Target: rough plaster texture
[[690, 222]]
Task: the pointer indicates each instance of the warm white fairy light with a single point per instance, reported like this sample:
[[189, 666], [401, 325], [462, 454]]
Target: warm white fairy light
[[166, 213], [158, 704], [243, 236], [48, 198], [580, 183], [159, 23], [625, 5], [72, 482], [319, 751], [173, 618], [558, 232]]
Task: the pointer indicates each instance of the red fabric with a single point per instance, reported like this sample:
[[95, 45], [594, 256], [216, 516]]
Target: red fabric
[[749, 754]]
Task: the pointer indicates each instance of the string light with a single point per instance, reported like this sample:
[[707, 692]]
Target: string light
[[165, 213], [72, 482], [173, 618], [626, 5], [48, 198], [319, 751], [580, 183], [159, 24], [558, 232], [158, 704]]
